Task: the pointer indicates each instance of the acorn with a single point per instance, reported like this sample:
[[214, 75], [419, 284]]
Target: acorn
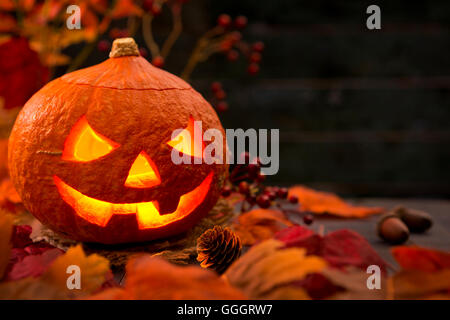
[[417, 221], [391, 229]]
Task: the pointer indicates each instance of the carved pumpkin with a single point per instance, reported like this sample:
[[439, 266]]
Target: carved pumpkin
[[90, 153]]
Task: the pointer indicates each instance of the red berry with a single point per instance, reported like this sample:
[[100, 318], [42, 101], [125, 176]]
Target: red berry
[[226, 191], [224, 20], [253, 170], [240, 22], [251, 199], [263, 201], [222, 106], [158, 61], [261, 177], [235, 36], [232, 55], [255, 57], [147, 5], [156, 9], [226, 45], [258, 46], [282, 193], [244, 187], [253, 68], [143, 52], [272, 195], [216, 86], [308, 219], [104, 45], [220, 94], [244, 157], [293, 199]]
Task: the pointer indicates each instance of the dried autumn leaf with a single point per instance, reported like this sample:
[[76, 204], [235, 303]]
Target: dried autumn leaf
[[94, 269], [3, 158], [354, 284], [414, 284], [421, 259], [153, 278], [6, 229], [320, 202], [259, 224], [267, 267], [341, 248]]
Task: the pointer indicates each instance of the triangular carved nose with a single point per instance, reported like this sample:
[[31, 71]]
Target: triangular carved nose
[[143, 173]]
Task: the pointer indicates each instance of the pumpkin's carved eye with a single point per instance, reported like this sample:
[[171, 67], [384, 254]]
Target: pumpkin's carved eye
[[185, 142], [84, 144]]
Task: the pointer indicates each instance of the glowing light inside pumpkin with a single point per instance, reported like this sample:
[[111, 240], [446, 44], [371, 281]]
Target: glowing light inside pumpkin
[[147, 214], [143, 173], [84, 144], [187, 143]]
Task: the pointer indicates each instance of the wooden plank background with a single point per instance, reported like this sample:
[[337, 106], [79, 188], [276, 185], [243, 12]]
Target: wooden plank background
[[362, 113]]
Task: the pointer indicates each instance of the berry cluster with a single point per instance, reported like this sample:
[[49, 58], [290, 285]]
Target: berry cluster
[[219, 96], [233, 46], [247, 180]]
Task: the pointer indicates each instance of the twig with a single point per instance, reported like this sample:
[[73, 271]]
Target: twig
[[148, 35], [175, 32], [197, 54]]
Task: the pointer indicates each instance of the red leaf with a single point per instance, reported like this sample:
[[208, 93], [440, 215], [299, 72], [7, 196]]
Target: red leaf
[[33, 265], [340, 248], [421, 259]]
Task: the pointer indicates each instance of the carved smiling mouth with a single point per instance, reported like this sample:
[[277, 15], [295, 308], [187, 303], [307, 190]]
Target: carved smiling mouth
[[147, 213]]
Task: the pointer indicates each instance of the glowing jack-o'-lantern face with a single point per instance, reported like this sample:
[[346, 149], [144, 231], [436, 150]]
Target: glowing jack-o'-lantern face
[[84, 145], [90, 153]]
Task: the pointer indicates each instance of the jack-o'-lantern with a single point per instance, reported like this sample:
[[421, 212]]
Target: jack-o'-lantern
[[90, 153]]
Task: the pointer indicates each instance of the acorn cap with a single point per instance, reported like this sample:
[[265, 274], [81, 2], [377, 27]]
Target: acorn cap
[[416, 220]]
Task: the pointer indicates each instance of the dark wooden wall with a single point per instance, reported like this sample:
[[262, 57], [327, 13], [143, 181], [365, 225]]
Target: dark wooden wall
[[360, 112]]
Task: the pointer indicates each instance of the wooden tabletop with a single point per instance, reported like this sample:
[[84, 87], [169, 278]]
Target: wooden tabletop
[[437, 237]]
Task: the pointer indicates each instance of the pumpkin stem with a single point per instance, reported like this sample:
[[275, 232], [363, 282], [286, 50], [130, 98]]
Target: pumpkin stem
[[123, 47]]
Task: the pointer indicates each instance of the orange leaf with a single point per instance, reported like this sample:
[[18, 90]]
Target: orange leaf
[[421, 259], [414, 284], [6, 228], [153, 278], [125, 8], [259, 224], [3, 158], [8, 192], [319, 202]]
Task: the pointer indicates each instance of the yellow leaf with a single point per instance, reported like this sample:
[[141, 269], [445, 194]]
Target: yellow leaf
[[268, 266], [94, 269], [6, 227]]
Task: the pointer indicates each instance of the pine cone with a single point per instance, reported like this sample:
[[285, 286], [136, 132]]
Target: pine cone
[[217, 248]]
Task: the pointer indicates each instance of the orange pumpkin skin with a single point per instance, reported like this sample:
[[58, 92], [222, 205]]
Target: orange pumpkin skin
[[136, 105]]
